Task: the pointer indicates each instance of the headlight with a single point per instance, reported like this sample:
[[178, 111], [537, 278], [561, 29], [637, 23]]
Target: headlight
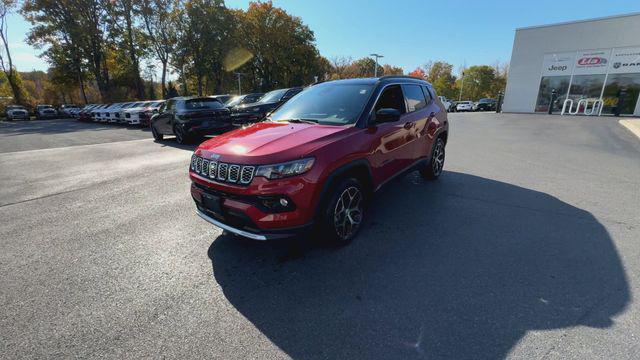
[[291, 168]]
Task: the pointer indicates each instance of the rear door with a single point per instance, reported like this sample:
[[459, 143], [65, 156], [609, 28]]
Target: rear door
[[422, 101]]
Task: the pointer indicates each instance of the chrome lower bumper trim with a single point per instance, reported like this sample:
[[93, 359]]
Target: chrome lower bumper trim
[[231, 229]]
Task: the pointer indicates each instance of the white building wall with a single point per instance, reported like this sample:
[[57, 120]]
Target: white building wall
[[531, 44]]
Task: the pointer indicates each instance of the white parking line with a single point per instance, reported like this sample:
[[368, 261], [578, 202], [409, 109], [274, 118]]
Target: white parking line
[[75, 146]]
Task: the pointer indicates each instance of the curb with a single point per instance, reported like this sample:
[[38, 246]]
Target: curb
[[632, 125]]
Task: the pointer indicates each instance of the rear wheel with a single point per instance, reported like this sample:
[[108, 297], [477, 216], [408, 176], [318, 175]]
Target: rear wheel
[[433, 169], [156, 135], [344, 212]]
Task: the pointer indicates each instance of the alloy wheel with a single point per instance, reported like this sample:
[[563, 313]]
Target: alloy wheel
[[438, 158], [347, 215]]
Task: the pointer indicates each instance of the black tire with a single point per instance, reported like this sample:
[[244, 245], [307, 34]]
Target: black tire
[[156, 135], [433, 169], [181, 137], [341, 222]]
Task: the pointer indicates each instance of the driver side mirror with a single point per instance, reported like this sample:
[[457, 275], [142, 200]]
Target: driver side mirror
[[387, 115]]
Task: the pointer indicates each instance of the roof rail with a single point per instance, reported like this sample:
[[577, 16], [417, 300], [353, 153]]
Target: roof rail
[[400, 77]]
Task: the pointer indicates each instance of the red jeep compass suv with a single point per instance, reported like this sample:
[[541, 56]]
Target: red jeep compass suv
[[318, 159]]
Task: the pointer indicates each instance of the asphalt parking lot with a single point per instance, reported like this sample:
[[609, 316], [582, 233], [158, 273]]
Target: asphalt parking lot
[[527, 247]]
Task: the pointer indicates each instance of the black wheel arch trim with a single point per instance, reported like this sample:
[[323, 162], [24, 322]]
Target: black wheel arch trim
[[337, 173]]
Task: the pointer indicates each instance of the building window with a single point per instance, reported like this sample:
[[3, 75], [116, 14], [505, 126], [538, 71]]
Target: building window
[[549, 83], [616, 82], [586, 87]]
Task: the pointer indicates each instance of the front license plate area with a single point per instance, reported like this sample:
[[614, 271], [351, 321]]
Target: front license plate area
[[212, 203]]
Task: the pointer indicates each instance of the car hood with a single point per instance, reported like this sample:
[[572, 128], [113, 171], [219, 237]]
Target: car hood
[[271, 142]]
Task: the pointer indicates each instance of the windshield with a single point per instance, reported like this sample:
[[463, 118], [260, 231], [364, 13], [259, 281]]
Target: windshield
[[203, 103], [234, 101], [328, 104], [272, 96]]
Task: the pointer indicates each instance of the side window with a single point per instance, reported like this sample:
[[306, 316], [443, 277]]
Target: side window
[[430, 93], [391, 98], [415, 97], [171, 105]]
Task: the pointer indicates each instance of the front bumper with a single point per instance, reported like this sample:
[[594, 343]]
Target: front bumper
[[18, 116], [242, 209], [262, 235]]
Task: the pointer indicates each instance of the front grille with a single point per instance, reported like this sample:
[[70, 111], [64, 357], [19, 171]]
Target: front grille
[[234, 173], [247, 174], [222, 172], [127, 115]]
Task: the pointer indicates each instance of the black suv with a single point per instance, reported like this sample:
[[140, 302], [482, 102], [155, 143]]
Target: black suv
[[189, 118], [485, 105], [254, 112]]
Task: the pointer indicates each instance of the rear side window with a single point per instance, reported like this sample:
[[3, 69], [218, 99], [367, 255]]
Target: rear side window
[[391, 98], [415, 97], [203, 103]]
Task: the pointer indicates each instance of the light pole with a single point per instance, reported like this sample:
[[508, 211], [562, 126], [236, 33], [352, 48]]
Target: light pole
[[461, 86], [375, 70], [239, 75]]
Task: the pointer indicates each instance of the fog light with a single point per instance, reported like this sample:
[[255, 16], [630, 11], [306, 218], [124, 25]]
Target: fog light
[[284, 202]]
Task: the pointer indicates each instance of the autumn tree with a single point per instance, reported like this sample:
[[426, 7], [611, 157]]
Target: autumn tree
[[418, 73]]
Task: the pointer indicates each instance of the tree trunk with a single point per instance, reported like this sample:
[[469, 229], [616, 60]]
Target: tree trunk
[[164, 78], [199, 76], [132, 52], [82, 91], [11, 73]]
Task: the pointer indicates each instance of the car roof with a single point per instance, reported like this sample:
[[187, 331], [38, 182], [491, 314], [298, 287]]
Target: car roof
[[385, 80]]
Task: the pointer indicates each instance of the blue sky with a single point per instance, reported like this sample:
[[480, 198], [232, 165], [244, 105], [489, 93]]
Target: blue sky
[[408, 33]]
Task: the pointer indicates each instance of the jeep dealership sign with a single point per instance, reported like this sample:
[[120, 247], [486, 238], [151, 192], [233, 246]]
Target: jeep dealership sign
[[558, 64], [591, 62]]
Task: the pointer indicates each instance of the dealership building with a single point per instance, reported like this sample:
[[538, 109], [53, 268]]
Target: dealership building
[[593, 63]]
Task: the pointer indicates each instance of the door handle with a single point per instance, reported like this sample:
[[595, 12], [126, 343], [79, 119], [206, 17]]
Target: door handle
[[408, 125]]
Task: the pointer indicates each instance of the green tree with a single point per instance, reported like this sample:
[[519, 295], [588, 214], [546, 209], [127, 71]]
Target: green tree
[[159, 18], [282, 47], [123, 15], [479, 82], [440, 75]]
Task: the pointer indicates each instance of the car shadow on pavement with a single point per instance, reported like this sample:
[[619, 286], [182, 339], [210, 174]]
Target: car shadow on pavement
[[459, 268]]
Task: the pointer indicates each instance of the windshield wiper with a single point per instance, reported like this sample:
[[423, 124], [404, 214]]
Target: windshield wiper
[[302, 121]]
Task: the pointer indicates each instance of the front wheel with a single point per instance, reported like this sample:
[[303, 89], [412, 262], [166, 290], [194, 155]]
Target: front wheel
[[433, 169], [156, 135], [344, 212]]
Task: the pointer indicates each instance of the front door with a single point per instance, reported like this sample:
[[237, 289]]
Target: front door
[[392, 144]]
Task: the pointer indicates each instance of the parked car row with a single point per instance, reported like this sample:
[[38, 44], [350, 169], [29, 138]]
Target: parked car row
[[191, 118], [485, 104]]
